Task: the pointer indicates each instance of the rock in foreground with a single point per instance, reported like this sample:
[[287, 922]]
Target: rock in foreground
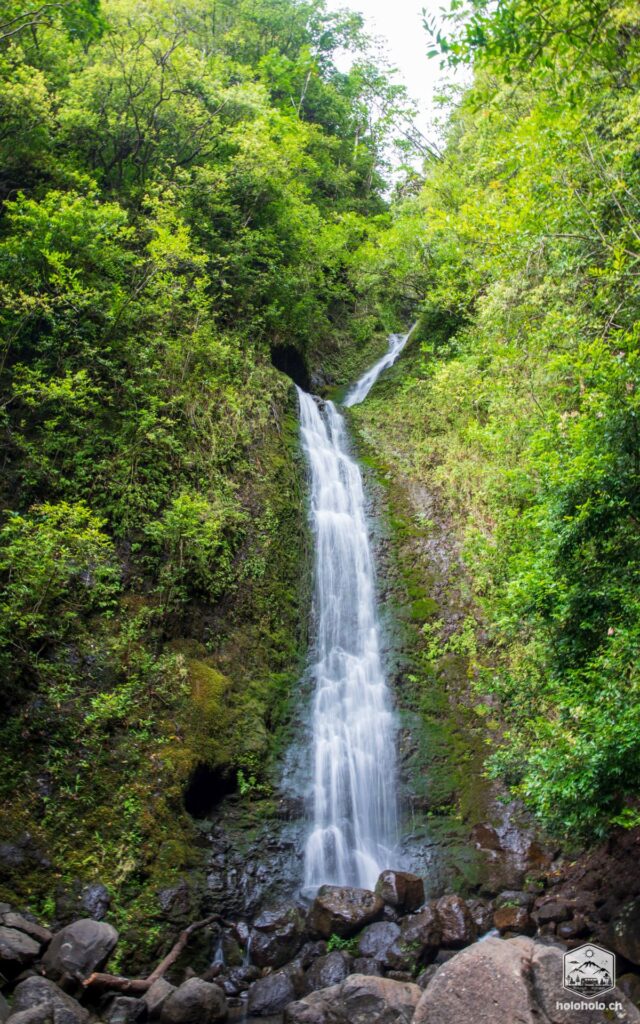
[[517, 980], [79, 949], [361, 999], [195, 1002], [39, 1000]]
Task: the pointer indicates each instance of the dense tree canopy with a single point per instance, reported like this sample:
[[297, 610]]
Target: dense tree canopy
[[523, 407]]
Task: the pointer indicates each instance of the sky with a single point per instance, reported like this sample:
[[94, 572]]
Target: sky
[[399, 23]]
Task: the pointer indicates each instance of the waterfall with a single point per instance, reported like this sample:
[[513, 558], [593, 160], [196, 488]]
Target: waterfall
[[354, 826], [362, 387]]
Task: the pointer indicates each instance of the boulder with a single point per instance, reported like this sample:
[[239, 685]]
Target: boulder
[[630, 985], [342, 911], [514, 919], [45, 1001], [364, 965], [327, 970], [553, 910], [79, 949], [195, 1002], [509, 980], [310, 952], [375, 939], [17, 951], [10, 919], [418, 942], [125, 1010], [156, 996], [482, 914], [514, 898], [361, 999], [576, 928], [270, 995], [276, 937], [458, 926], [401, 890], [5, 1009], [96, 901], [623, 933]]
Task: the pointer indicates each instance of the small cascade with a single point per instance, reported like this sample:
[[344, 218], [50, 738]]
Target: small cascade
[[362, 387]]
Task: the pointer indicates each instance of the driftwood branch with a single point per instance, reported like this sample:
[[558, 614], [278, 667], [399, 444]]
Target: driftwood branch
[[141, 985]]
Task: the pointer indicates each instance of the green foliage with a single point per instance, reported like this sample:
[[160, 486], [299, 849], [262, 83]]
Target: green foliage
[[182, 189], [57, 566], [521, 407], [344, 945]]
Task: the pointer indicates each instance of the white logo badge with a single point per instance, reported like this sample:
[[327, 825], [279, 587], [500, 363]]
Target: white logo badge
[[589, 971]]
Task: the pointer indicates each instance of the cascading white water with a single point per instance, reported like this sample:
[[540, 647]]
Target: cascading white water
[[362, 387], [354, 771]]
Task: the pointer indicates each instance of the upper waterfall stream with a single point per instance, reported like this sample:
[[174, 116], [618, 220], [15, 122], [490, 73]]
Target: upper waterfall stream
[[354, 827]]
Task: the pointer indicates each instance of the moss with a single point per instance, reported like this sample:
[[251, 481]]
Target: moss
[[95, 766]]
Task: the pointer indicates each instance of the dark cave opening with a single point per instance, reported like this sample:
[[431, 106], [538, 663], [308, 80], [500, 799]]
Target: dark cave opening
[[207, 788], [287, 359]]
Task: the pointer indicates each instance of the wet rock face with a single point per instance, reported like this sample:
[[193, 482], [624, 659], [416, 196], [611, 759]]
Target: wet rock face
[[418, 942], [458, 926], [375, 940], [361, 999], [517, 980], [276, 937], [342, 911], [514, 919], [623, 933], [270, 995], [96, 901], [401, 890], [195, 1002], [328, 970], [79, 949]]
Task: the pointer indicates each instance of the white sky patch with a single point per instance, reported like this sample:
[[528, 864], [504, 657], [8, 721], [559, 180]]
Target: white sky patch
[[399, 24]]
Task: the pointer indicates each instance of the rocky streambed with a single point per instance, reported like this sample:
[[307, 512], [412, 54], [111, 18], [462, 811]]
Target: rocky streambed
[[351, 956]]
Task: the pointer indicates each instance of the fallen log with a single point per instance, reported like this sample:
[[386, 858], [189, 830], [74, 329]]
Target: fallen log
[[137, 986]]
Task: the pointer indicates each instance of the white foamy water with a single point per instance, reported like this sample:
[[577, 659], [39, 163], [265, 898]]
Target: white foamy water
[[354, 827], [362, 387]]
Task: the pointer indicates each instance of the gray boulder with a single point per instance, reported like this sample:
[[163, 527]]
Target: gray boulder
[[418, 942], [343, 911], [5, 1009], [24, 924], [40, 1000], [195, 1002], [96, 900], [79, 949], [125, 1010], [276, 937], [515, 980], [156, 996], [17, 951], [401, 890], [376, 938], [361, 999], [327, 970], [270, 995]]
